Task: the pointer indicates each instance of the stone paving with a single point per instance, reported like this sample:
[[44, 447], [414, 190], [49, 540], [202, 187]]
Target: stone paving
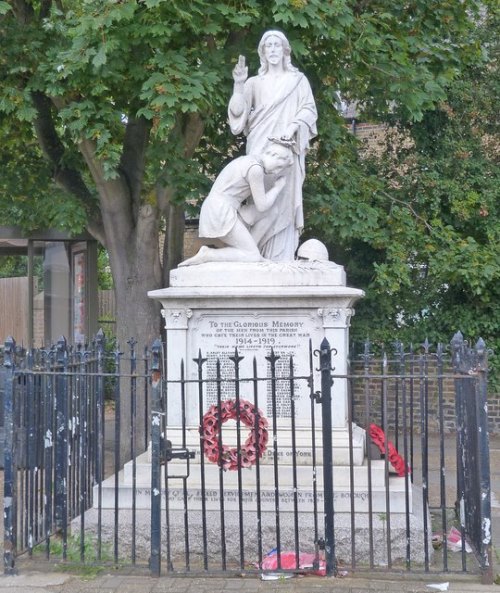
[[61, 583]]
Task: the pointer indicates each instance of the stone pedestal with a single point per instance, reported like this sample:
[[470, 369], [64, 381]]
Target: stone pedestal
[[252, 307]]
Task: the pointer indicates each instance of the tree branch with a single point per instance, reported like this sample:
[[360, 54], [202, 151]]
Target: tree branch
[[411, 209], [114, 194], [187, 134], [133, 160], [192, 128], [45, 8], [236, 38], [54, 150], [68, 178], [173, 245], [23, 11]]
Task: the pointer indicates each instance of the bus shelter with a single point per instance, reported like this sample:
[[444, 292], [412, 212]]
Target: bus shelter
[[48, 287]]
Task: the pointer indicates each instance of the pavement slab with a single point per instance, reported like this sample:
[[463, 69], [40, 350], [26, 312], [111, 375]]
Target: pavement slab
[[106, 583]]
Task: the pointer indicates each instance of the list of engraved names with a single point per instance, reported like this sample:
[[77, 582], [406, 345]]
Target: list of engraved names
[[254, 336]]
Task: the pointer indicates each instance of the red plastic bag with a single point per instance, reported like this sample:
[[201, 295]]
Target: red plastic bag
[[289, 562]]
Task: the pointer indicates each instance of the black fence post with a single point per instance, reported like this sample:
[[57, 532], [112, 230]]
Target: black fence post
[[49, 436], [10, 464], [100, 423], [156, 429], [473, 465], [458, 354], [133, 433], [481, 402], [61, 442], [326, 409], [272, 358]]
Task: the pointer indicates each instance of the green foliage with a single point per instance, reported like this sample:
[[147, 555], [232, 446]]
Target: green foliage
[[93, 563], [105, 61], [422, 238], [13, 266], [104, 277], [416, 227], [29, 198]]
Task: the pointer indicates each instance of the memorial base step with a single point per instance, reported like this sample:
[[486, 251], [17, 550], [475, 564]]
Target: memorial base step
[[185, 488]]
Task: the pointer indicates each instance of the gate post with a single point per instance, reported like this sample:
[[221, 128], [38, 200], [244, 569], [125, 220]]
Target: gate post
[[61, 442], [326, 409], [156, 428], [483, 446], [457, 349], [10, 463], [473, 461]]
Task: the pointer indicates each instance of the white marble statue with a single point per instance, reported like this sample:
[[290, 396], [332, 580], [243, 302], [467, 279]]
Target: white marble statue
[[223, 214], [277, 102]]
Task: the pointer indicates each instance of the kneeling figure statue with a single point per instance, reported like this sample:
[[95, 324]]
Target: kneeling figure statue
[[226, 216]]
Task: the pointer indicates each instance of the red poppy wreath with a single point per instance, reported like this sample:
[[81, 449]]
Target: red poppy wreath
[[398, 463], [254, 446]]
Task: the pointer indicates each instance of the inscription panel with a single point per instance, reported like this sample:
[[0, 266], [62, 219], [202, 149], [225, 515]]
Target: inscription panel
[[305, 500], [218, 335]]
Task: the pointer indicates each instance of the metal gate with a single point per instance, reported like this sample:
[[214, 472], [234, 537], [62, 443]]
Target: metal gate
[[242, 497]]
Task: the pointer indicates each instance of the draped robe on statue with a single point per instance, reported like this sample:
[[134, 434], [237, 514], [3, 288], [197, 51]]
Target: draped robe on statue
[[277, 233]]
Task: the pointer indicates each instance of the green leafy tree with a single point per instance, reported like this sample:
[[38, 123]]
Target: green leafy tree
[[119, 96], [127, 102], [28, 194], [425, 240]]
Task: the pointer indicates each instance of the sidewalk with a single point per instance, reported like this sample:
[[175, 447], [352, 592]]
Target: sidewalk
[[63, 583]]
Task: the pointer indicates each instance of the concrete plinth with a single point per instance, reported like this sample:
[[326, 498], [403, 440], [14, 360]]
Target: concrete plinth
[[292, 484], [296, 511]]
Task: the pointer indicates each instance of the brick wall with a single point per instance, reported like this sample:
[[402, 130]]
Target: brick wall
[[415, 389]]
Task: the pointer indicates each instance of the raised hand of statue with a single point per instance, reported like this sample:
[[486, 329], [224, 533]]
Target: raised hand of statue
[[240, 71]]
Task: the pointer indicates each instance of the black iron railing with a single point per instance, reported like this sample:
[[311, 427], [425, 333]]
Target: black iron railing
[[234, 477], [473, 464]]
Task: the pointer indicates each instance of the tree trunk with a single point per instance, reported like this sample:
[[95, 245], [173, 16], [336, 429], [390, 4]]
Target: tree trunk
[[136, 270], [132, 238], [173, 247], [133, 304]]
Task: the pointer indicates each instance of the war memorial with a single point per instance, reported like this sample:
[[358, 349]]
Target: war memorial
[[262, 302]]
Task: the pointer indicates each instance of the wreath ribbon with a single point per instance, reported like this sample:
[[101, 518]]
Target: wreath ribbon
[[398, 463]]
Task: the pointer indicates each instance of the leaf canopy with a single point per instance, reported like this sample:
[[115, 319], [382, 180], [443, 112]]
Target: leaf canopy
[[126, 100]]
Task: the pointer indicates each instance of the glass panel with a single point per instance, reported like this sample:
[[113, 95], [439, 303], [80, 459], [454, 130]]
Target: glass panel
[[38, 294], [53, 294], [57, 291]]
